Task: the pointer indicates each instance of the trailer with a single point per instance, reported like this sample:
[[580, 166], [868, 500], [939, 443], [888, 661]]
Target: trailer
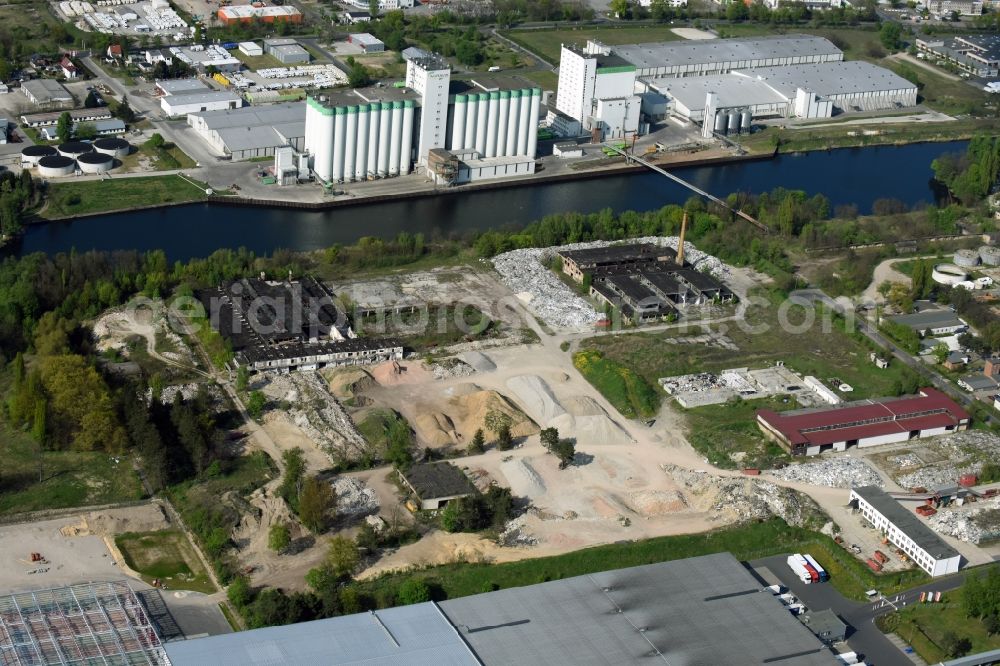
[[881, 557], [798, 566], [820, 571], [873, 565]]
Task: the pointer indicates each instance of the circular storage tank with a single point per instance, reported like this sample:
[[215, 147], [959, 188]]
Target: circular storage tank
[[117, 148], [949, 274], [95, 162], [966, 258], [990, 255], [746, 119], [74, 148], [54, 166], [31, 154], [734, 123], [720, 123]]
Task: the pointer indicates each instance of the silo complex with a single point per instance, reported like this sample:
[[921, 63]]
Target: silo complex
[[383, 132], [990, 255]]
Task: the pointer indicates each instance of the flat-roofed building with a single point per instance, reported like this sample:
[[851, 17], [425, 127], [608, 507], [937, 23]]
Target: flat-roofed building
[[366, 42], [937, 321], [978, 55], [46, 92], [864, 423], [213, 100], [75, 115], [577, 263], [436, 484], [905, 530], [252, 131]]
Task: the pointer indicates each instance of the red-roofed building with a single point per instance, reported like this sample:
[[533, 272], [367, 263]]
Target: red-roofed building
[[865, 423], [68, 68], [115, 51]]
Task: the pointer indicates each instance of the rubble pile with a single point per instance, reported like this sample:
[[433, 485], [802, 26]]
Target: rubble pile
[[187, 392], [960, 453], [450, 368], [317, 413], [354, 498], [524, 272], [835, 473], [748, 499], [514, 534], [974, 525]]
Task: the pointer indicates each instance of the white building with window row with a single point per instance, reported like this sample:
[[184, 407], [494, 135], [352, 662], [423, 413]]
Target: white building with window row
[[905, 530]]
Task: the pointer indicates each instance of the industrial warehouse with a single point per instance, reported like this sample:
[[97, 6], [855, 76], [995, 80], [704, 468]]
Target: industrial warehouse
[[291, 325], [723, 84], [864, 423], [253, 131], [644, 282], [904, 530], [487, 127], [705, 610]]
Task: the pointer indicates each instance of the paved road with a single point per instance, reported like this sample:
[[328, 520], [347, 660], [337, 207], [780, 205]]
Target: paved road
[[863, 636]]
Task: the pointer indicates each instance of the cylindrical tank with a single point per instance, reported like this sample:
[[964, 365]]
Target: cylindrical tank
[[513, 123], [395, 146], [990, 255], [95, 162], [471, 113], [458, 124], [31, 154], [524, 121], [350, 142], [374, 117], [361, 158], [117, 148], [339, 130], [734, 123], [324, 143], [536, 98], [492, 122], [502, 119], [746, 118], [720, 123], [948, 274], [74, 148], [310, 130], [384, 139], [484, 106], [406, 146], [966, 258], [54, 166]]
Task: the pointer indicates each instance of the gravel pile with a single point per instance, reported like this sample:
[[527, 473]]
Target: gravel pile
[[514, 534], [450, 368], [354, 498], [523, 271], [972, 525], [835, 473], [961, 453]]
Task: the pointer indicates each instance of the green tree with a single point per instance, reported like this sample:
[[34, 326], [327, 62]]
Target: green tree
[[367, 538], [341, 557], [495, 421], [91, 102], [955, 645], [239, 592], [565, 450], [124, 111], [620, 8], [294, 463], [256, 402], [890, 35], [279, 537], [414, 591], [505, 441], [242, 378], [317, 505], [373, 8], [86, 131], [64, 127], [155, 142], [478, 443], [550, 438], [941, 352]]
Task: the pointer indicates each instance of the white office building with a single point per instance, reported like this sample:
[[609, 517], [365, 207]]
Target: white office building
[[904, 530], [597, 89]]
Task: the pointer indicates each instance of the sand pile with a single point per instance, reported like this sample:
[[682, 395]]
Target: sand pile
[[436, 429], [537, 397], [478, 360], [657, 502], [594, 429], [347, 383], [522, 478], [464, 413]]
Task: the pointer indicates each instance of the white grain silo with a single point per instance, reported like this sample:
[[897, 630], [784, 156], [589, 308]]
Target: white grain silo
[[524, 123], [361, 157], [397, 138], [373, 129], [502, 115], [310, 126], [512, 123], [458, 124], [324, 144], [384, 138], [491, 124], [471, 112], [407, 143], [339, 130], [350, 142], [484, 105], [536, 98]]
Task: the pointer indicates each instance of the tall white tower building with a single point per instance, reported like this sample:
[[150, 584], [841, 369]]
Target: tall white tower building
[[430, 77]]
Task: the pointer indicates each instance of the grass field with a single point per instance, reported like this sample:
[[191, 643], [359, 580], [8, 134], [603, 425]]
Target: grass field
[[33, 22], [69, 198], [745, 542], [256, 62], [627, 390], [825, 350], [924, 626], [166, 556], [546, 43], [166, 158], [69, 478]]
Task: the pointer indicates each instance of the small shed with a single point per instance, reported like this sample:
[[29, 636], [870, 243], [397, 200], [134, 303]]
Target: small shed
[[251, 49], [567, 150], [827, 626], [369, 43], [436, 484]]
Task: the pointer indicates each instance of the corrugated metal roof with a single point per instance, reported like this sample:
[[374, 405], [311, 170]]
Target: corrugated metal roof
[[408, 636]]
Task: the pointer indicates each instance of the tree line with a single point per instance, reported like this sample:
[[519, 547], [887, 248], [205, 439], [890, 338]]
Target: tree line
[[972, 175]]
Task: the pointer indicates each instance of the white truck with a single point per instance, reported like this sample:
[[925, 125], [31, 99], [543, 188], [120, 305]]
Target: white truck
[[800, 568]]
